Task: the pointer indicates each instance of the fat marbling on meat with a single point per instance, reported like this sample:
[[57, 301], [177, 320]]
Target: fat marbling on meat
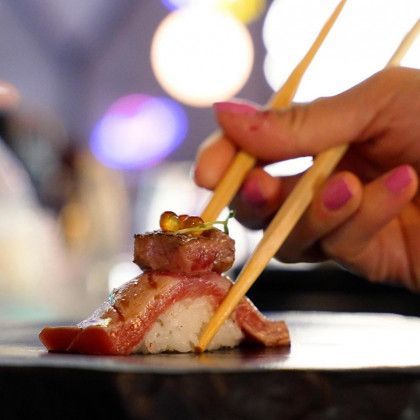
[[177, 267]]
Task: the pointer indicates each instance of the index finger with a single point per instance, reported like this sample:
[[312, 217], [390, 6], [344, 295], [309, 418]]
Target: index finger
[[309, 129]]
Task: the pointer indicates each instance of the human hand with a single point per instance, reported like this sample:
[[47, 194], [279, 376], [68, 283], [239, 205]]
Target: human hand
[[367, 215], [9, 97]]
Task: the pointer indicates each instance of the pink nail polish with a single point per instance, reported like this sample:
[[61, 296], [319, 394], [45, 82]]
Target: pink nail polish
[[251, 193], [398, 179], [235, 108], [336, 195]]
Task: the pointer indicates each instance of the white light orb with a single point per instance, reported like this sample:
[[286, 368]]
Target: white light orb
[[361, 42], [274, 72], [201, 55], [122, 272]]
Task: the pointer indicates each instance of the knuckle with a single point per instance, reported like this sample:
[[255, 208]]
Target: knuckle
[[293, 121], [393, 79], [332, 248]]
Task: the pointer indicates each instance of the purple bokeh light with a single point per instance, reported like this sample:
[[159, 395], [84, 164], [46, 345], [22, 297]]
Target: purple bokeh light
[[175, 4], [138, 131]]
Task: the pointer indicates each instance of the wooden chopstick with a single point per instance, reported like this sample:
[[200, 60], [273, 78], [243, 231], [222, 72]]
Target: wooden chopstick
[[405, 45], [286, 218], [244, 162]]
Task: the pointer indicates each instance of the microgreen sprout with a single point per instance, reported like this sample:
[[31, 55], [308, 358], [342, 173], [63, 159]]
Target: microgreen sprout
[[209, 225]]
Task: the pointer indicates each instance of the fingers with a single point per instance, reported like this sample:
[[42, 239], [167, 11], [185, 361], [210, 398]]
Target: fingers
[[353, 116], [370, 240], [216, 153], [334, 204], [258, 199], [383, 108], [212, 161], [9, 97], [354, 224], [262, 195]]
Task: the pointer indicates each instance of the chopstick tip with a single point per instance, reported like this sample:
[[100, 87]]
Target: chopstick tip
[[199, 349]]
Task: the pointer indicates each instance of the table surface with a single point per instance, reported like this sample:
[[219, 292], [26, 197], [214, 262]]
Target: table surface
[[321, 341]]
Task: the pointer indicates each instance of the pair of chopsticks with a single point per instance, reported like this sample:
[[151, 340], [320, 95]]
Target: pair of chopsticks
[[244, 162], [299, 199]]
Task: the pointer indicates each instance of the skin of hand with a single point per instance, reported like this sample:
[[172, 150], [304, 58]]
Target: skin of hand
[[367, 215], [9, 97]]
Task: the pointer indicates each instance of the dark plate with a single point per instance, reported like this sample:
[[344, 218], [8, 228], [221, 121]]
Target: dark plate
[[320, 341]]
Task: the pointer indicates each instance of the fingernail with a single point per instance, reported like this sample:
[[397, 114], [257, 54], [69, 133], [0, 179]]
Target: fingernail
[[336, 194], [235, 108], [251, 193], [398, 179]]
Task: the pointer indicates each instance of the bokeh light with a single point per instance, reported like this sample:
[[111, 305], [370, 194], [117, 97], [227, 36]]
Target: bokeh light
[[244, 10], [121, 272], [138, 131], [176, 4], [200, 55], [360, 43]]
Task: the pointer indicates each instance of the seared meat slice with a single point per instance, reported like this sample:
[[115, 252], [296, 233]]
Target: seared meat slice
[[120, 325], [212, 250]]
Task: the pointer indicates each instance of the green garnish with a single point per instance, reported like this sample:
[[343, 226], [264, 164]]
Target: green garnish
[[209, 225], [111, 298]]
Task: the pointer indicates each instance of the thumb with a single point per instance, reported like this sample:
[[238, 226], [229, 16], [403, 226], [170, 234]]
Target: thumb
[[308, 129]]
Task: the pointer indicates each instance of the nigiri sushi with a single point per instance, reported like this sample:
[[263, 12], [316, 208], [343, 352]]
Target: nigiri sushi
[[167, 306]]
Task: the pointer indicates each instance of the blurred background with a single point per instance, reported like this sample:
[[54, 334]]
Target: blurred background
[[114, 98]]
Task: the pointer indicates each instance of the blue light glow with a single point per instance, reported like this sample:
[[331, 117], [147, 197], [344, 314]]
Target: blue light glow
[[138, 131], [175, 4]]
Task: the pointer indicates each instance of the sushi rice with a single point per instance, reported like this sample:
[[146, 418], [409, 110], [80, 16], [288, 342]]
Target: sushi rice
[[178, 329]]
